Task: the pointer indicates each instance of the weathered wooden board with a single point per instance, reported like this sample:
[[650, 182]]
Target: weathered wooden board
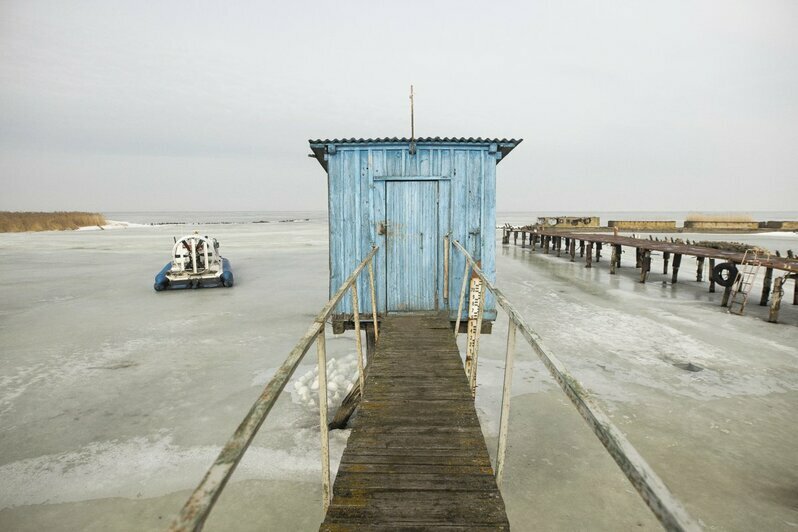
[[416, 458]]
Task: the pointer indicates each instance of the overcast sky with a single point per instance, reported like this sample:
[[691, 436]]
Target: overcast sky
[[677, 105]]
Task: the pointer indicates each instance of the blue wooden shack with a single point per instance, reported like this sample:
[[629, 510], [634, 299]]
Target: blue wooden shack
[[404, 197]]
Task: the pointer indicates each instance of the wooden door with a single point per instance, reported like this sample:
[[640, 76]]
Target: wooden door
[[411, 251]]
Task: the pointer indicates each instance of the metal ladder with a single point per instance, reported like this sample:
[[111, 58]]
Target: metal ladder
[[744, 281]]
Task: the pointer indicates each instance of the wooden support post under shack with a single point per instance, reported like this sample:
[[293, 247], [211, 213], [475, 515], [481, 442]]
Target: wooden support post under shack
[[645, 264], [614, 259], [546, 244], [766, 286], [775, 305], [699, 271], [795, 290], [711, 276], [572, 249], [589, 256], [533, 239], [638, 258], [515, 237], [666, 257], [598, 251], [505, 236], [581, 248], [559, 245], [619, 252], [677, 261]]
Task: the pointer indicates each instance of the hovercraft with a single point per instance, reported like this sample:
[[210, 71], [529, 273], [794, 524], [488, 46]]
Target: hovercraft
[[196, 263]]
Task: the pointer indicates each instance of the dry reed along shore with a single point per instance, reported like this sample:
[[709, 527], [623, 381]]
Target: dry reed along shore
[[15, 222]]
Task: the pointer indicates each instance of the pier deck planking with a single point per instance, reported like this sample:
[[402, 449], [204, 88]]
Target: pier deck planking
[[416, 457]]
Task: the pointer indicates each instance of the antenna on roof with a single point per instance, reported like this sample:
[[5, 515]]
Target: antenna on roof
[[412, 125]]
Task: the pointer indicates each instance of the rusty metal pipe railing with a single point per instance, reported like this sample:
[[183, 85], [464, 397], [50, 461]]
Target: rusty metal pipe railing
[[196, 510], [667, 509]]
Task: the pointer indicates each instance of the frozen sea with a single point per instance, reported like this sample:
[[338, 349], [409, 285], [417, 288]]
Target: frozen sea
[[115, 399]]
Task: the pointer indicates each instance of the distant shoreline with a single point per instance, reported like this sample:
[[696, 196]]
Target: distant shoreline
[[20, 222]]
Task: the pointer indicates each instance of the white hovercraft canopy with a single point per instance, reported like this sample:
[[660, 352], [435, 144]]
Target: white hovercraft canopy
[[194, 254]]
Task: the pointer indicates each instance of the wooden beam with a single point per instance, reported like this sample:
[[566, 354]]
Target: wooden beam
[[766, 282], [589, 256], [677, 261], [773, 316], [699, 271], [645, 264], [573, 249], [666, 257], [711, 276]]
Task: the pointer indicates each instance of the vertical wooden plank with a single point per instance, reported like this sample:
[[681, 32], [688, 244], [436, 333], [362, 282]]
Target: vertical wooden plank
[[589, 255], [335, 220], [444, 226], [699, 271], [364, 223], [424, 162], [459, 187], [488, 229], [473, 203], [380, 222]]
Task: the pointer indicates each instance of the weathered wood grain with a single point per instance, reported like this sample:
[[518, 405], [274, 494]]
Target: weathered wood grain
[[416, 458]]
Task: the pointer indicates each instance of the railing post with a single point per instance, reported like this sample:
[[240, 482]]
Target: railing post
[[446, 270], [476, 303], [321, 350], [462, 298], [356, 314], [505, 416], [373, 299]]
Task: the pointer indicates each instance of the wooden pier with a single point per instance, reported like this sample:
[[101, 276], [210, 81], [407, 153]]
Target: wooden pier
[[590, 247], [416, 457]]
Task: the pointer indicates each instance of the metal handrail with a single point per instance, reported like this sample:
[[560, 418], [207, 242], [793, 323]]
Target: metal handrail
[[200, 503], [667, 509]]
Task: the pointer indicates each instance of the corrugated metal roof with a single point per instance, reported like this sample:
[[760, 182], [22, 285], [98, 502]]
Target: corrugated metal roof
[[448, 140], [319, 146]]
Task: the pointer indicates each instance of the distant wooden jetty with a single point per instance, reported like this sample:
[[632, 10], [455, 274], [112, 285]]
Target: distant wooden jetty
[[590, 245]]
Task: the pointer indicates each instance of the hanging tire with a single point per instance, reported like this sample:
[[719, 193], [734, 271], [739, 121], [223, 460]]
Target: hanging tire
[[724, 274]]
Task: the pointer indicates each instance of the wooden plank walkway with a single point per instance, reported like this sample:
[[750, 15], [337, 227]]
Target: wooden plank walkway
[[416, 458]]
